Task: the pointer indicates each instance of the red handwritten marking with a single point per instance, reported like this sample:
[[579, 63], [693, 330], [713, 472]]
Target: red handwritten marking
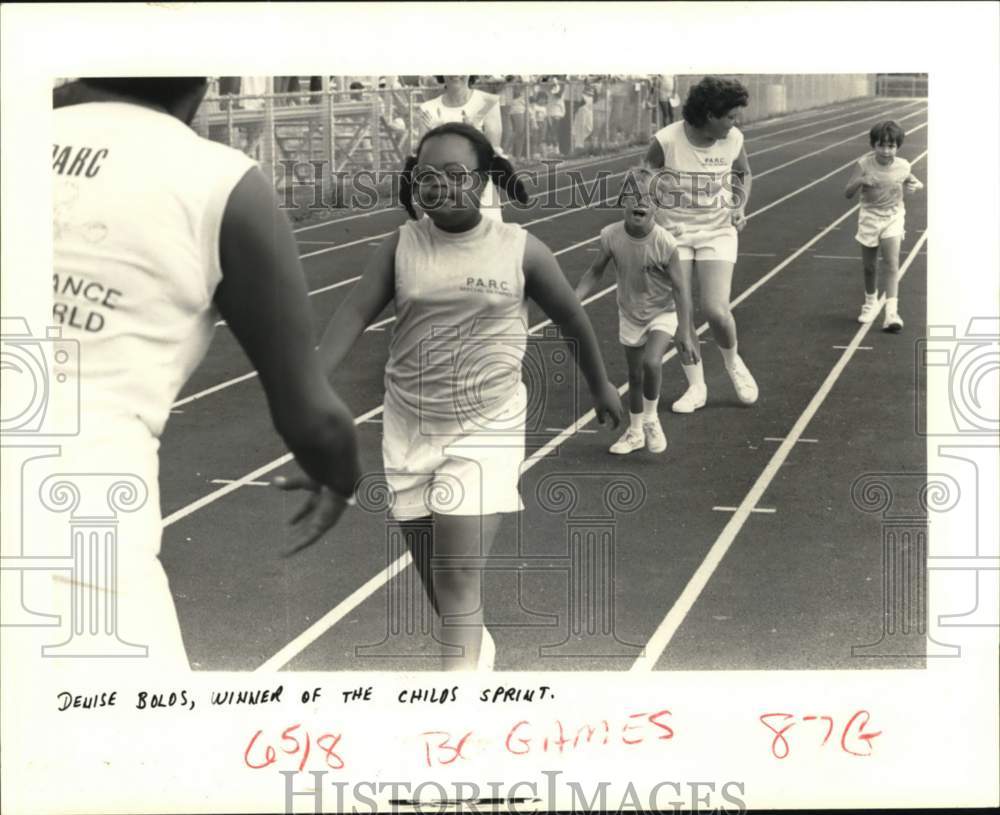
[[456, 751], [669, 734], [780, 747], [269, 756], [866, 737], [328, 751], [291, 745], [522, 739], [778, 734]]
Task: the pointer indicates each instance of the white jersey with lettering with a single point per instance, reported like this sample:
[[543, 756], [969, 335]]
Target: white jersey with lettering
[[644, 287], [695, 190], [138, 201], [475, 111], [461, 320], [886, 198]]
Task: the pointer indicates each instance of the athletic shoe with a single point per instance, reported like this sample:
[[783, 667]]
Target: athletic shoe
[[656, 442], [868, 312], [743, 381], [693, 399], [892, 322], [630, 441]]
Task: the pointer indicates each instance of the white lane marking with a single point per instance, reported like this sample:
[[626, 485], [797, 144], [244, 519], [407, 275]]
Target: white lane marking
[[346, 606], [765, 510], [664, 633], [211, 497], [800, 441], [245, 483]]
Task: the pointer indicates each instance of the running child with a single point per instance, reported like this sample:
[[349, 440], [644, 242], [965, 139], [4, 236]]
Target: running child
[[703, 186], [455, 403], [883, 178], [649, 274]]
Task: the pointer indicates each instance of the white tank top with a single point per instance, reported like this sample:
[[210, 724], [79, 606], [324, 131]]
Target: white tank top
[[138, 200], [695, 184], [461, 320]]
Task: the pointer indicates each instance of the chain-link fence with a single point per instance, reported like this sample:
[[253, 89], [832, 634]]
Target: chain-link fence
[[321, 128]]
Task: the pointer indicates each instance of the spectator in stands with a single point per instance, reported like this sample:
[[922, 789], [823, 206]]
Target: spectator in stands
[[583, 121], [555, 113], [665, 96], [518, 119], [538, 119]]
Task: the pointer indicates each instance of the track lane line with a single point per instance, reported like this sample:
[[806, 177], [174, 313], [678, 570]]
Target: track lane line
[[356, 598], [843, 108], [668, 627], [211, 497], [243, 377]]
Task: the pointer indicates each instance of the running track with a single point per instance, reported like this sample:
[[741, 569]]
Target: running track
[[746, 551]]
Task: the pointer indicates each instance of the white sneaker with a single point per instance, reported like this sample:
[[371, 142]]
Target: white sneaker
[[868, 312], [630, 441], [892, 322], [743, 382], [656, 442], [693, 399]]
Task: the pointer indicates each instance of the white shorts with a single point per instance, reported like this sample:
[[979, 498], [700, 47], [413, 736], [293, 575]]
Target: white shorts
[[461, 474], [719, 245], [874, 227], [634, 335]]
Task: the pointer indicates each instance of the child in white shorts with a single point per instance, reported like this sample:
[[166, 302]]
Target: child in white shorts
[[883, 178], [455, 404], [645, 256]]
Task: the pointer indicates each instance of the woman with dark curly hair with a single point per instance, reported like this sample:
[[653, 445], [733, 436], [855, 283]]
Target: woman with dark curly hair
[[702, 194]]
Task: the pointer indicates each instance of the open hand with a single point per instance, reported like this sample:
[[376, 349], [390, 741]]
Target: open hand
[[320, 512]]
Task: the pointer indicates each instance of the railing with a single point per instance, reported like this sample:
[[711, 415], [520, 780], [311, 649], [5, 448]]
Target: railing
[[310, 134], [912, 85]]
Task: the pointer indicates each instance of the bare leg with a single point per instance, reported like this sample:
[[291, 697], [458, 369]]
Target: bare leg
[[869, 259], [635, 384], [452, 576], [715, 279]]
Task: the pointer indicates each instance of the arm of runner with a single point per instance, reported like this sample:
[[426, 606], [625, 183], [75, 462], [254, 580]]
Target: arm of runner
[[912, 184], [366, 300], [263, 298], [856, 181], [742, 182], [686, 339], [593, 275], [546, 284]]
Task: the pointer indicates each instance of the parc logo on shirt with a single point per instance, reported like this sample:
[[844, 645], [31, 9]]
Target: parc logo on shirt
[[715, 161], [488, 285]]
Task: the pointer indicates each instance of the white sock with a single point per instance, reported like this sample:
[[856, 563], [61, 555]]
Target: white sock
[[729, 355], [870, 298], [695, 374], [891, 304], [635, 421], [649, 409]]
